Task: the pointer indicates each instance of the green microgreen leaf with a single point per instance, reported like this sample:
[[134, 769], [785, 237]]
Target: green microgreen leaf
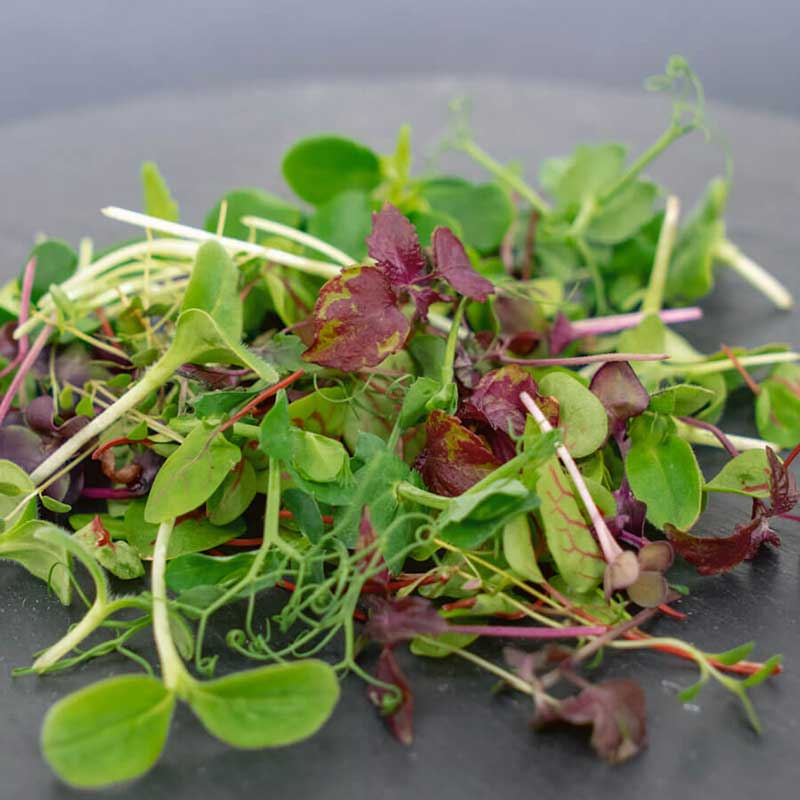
[[109, 732], [319, 168], [268, 707], [158, 202]]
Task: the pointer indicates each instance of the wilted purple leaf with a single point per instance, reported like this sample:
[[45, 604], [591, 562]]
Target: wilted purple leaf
[[616, 711], [399, 717], [40, 418], [495, 400], [357, 321], [394, 246], [396, 619], [714, 555], [453, 264], [27, 450], [454, 458], [783, 490], [631, 513], [619, 390]]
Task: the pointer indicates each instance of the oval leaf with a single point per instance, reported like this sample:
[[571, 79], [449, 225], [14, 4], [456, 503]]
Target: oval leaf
[[663, 473], [580, 414], [568, 536], [109, 732], [191, 474], [747, 474], [518, 549], [321, 167], [267, 707]]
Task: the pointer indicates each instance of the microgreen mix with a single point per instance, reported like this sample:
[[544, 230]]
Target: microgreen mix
[[415, 411]]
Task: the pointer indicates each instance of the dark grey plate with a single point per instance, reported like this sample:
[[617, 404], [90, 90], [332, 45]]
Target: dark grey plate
[[56, 172]]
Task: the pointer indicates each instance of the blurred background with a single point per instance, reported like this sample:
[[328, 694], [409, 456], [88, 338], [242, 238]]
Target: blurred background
[[64, 54]]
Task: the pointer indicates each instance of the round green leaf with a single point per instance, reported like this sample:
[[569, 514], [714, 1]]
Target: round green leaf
[[580, 413], [55, 262], [267, 707], [109, 732], [321, 167], [483, 211], [778, 406], [345, 221]]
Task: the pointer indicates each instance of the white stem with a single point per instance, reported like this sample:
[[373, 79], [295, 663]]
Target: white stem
[[173, 672], [701, 436], [86, 276], [159, 373], [728, 253], [268, 226], [608, 544], [322, 268], [666, 239], [725, 364]]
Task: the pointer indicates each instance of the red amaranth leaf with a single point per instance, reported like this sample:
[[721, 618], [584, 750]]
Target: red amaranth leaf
[[453, 264], [397, 619], [783, 490], [394, 246], [619, 390], [616, 711], [714, 555], [454, 458], [357, 321], [399, 717]]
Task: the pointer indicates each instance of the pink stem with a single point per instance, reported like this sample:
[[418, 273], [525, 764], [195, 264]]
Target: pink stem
[[101, 493], [577, 361], [23, 370], [619, 322], [24, 311], [521, 632], [608, 544], [721, 437]]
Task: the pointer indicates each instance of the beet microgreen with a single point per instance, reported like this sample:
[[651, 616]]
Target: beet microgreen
[[427, 413]]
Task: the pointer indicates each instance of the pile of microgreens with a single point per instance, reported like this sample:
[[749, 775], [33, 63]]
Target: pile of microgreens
[[426, 411]]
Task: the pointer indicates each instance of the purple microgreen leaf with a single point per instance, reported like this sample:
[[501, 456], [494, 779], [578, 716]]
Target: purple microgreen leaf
[[357, 321], [616, 711], [454, 458], [453, 264], [495, 400], [714, 555], [40, 418], [398, 714], [394, 619], [783, 489], [619, 390], [394, 246], [631, 513]]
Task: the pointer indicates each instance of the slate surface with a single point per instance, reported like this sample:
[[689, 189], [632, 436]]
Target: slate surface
[[55, 174]]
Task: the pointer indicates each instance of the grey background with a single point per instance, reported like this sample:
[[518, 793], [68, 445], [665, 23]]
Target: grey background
[[58, 54]]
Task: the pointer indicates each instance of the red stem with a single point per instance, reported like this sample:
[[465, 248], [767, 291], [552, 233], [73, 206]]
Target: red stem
[[260, 398], [792, 456]]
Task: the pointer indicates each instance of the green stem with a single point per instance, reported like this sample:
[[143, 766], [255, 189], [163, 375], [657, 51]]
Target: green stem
[[670, 135], [654, 297], [505, 174], [728, 253], [594, 272], [725, 364], [702, 437], [158, 374], [407, 491], [452, 340], [173, 672], [90, 622]]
